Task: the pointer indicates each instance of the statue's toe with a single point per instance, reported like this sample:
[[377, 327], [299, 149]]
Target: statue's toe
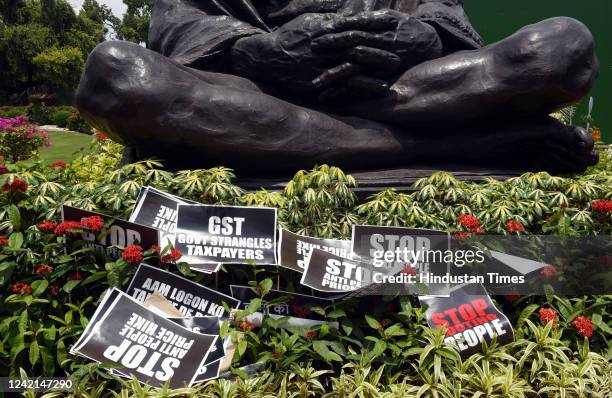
[[584, 139], [575, 145]]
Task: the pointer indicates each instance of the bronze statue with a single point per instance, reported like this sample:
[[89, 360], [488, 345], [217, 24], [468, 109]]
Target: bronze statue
[[272, 86]]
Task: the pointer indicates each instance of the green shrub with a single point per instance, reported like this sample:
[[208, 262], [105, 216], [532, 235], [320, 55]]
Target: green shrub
[[10, 112], [60, 118], [38, 112], [77, 123]]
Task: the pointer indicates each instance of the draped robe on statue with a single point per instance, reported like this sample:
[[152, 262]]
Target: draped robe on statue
[[200, 33]]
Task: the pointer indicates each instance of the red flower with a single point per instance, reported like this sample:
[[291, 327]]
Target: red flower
[[156, 249], [133, 254], [470, 223], [245, 325], [75, 277], [60, 165], [18, 185], [93, 223], [549, 271], [43, 269], [602, 206], [408, 270], [21, 288], [514, 226], [54, 289], [67, 228], [461, 234], [549, 315], [173, 256], [3, 169], [512, 297], [584, 326], [4, 241], [310, 335], [47, 226], [101, 136]]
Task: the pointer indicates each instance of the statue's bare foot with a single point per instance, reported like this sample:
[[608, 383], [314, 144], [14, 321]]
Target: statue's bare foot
[[538, 145], [569, 151]]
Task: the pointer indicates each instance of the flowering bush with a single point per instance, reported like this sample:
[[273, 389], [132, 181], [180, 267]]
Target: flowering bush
[[19, 138], [51, 283]]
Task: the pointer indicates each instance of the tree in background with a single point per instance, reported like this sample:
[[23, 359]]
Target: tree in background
[[43, 45], [135, 24]]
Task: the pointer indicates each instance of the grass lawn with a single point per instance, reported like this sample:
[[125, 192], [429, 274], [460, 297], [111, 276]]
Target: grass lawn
[[65, 145]]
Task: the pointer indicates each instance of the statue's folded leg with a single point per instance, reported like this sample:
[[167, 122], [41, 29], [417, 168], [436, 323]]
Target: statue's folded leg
[[191, 118], [535, 71]]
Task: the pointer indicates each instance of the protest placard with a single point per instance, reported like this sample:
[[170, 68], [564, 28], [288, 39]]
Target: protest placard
[[326, 272], [192, 299], [157, 210], [209, 326], [294, 249], [470, 317], [120, 233], [226, 234], [144, 344], [423, 252]]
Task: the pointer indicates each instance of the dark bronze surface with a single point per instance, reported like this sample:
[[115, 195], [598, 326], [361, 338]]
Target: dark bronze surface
[[271, 86]]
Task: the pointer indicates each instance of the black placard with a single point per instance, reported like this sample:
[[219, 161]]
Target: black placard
[[423, 250], [146, 345], [226, 234], [294, 250], [158, 210], [206, 325], [326, 272], [470, 317], [192, 299], [121, 233]]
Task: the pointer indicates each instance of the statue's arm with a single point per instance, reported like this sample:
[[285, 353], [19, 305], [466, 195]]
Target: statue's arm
[[196, 35]]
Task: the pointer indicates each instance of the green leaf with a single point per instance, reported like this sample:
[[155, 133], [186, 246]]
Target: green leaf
[[69, 286], [39, 286], [395, 330], [184, 269], [321, 348], [14, 217], [93, 277], [339, 313], [254, 306], [16, 240], [23, 321], [48, 362], [242, 346], [34, 352], [266, 286], [379, 348], [374, 324]]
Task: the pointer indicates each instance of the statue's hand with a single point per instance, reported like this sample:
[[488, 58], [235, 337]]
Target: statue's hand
[[411, 40], [286, 57], [373, 58]]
